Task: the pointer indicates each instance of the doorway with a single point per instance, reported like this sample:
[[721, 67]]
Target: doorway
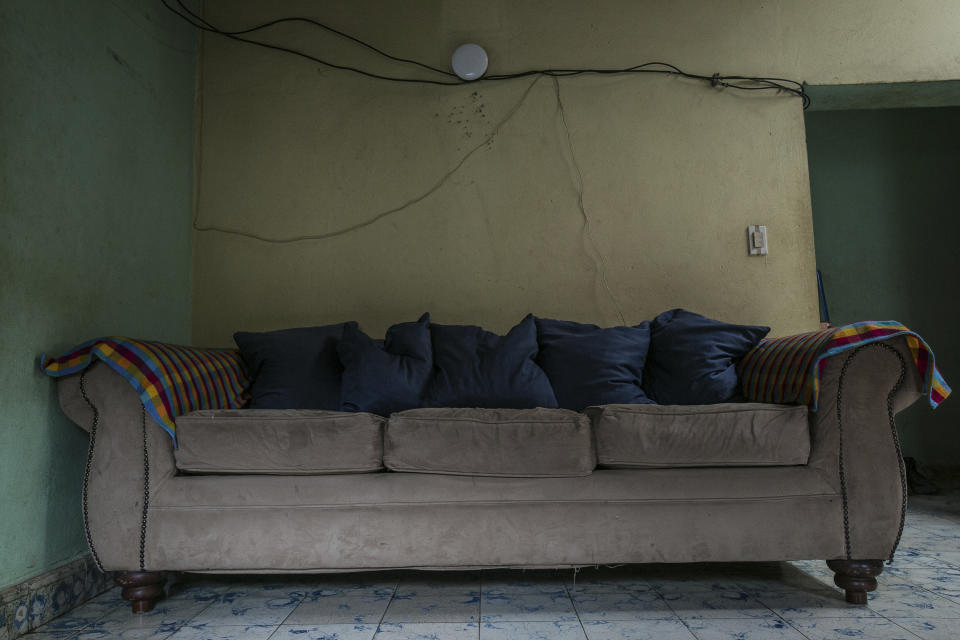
[[885, 188]]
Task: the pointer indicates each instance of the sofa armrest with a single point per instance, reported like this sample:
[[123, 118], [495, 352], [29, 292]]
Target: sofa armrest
[[855, 442], [130, 456]]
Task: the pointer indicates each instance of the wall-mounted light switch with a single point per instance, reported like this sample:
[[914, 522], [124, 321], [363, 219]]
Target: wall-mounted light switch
[[757, 239]]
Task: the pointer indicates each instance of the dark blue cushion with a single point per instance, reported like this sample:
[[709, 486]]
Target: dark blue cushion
[[476, 368], [384, 377], [588, 365], [693, 359], [293, 368]]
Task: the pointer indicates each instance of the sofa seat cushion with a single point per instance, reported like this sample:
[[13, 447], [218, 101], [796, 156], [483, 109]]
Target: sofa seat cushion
[[282, 442], [402, 520], [490, 442], [719, 435]]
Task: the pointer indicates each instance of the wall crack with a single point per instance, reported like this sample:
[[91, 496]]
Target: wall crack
[[389, 212]]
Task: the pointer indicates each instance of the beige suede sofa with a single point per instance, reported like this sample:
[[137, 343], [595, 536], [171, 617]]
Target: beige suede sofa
[[277, 493]]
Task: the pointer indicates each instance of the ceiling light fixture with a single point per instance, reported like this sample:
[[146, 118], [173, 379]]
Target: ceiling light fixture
[[469, 61]]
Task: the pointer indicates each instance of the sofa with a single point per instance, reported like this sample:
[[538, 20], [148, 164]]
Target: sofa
[[306, 490]]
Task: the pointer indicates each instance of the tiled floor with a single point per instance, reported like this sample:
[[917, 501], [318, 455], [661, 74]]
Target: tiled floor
[[919, 597]]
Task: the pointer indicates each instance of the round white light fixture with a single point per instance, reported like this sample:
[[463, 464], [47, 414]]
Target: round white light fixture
[[469, 61]]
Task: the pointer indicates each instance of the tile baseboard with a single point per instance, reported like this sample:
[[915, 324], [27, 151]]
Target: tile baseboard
[[36, 601]]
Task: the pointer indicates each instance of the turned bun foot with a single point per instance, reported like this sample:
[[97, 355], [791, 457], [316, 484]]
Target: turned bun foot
[[856, 577], [143, 589]]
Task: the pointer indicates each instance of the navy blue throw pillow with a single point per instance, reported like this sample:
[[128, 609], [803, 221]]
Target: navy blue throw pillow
[[386, 377], [293, 368], [588, 365], [693, 359], [476, 368]]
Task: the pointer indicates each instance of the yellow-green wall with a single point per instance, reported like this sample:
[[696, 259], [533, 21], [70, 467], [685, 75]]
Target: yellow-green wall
[[485, 223], [96, 169]]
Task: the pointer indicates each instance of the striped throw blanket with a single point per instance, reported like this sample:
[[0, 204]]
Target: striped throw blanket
[[171, 380], [787, 370]]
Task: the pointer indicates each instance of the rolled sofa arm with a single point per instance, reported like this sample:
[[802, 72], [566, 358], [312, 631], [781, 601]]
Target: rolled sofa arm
[[855, 442], [130, 456]]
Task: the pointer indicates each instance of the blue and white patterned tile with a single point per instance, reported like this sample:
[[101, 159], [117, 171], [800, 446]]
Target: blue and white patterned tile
[[925, 518], [568, 630], [264, 590], [951, 558], [536, 607], [497, 583], [249, 610], [913, 602], [817, 568], [325, 632], [716, 604], [911, 556], [428, 631], [440, 606], [342, 610], [590, 582], [38, 606], [772, 628], [944, 582], [801, 575], [795, 582], [234, 632], [712, 577], [166, 618], [637, 630], [166, 612], [920, 539], [198, 591], [20, 619], [85, 614], [706, 584], [942, 528], [113, 595], [621, 606], [846, 628], [439, 582], [382, 583], [792, 605], [118, 632], [895, 576], [945, 629], [51, 635], [333, 587]]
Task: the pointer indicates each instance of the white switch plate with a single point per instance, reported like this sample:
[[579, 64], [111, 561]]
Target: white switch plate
[[757, 239]]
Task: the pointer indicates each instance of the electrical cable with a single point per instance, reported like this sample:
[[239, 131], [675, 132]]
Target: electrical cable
[[374, 218], [315, 23], [203, 25], [754, 83]]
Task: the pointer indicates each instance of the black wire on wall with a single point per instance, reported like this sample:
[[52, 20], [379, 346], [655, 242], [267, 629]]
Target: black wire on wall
[[741, 83]]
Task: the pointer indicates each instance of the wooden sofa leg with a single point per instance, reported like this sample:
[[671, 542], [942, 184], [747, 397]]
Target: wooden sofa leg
[[856, 577], [142, 588]]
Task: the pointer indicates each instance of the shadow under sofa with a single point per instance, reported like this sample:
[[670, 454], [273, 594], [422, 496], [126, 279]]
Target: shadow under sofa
[[844, 504]]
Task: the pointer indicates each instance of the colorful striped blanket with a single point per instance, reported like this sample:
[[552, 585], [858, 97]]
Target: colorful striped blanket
[[171, 380], [787, 370]]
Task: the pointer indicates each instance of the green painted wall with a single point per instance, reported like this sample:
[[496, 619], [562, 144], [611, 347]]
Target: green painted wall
[[884, 209], [96, 171]]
